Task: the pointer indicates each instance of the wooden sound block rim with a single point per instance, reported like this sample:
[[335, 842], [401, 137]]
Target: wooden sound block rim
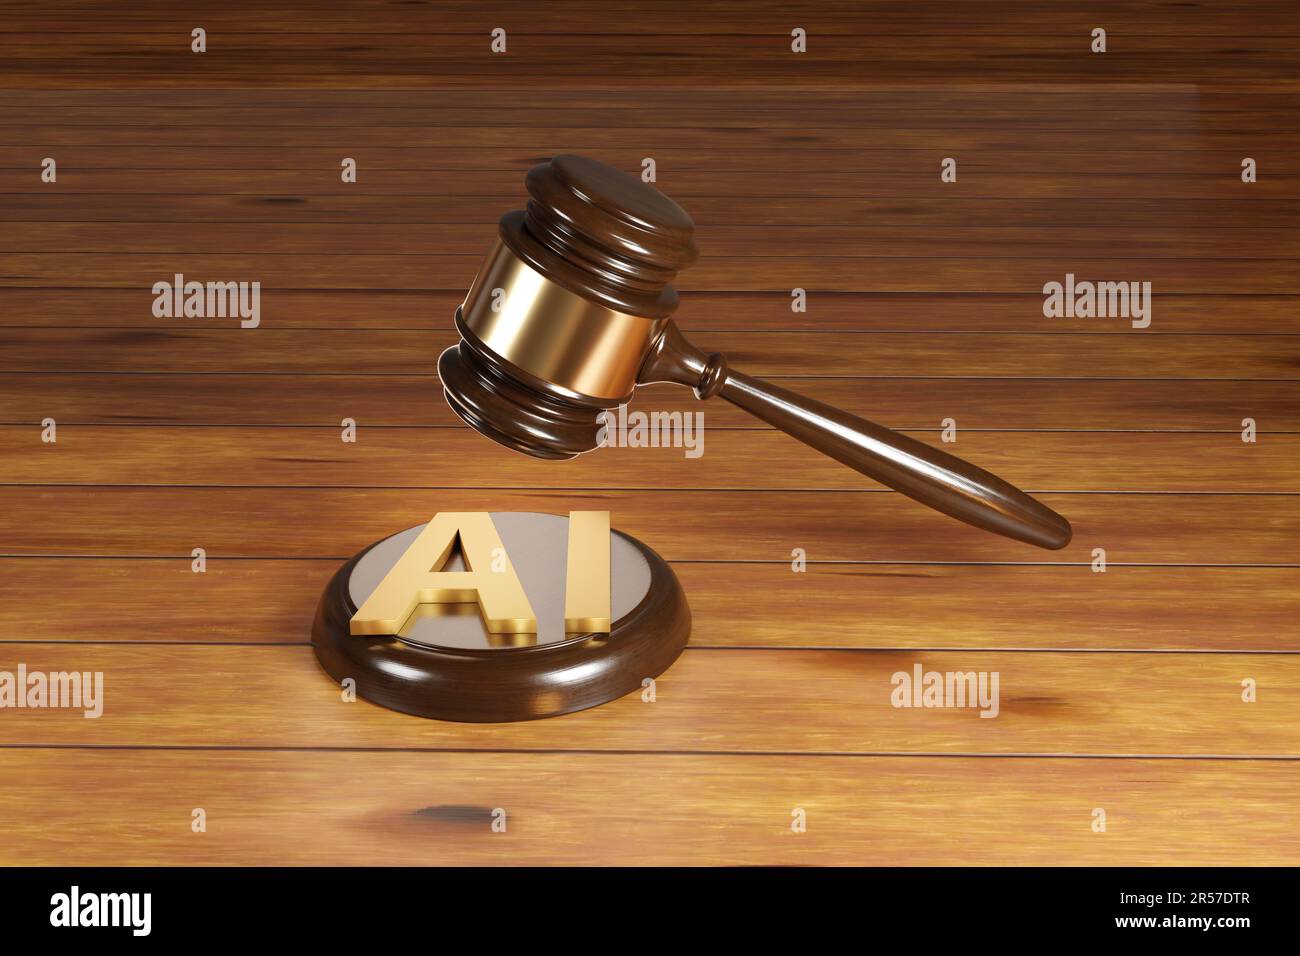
[[524, 683]]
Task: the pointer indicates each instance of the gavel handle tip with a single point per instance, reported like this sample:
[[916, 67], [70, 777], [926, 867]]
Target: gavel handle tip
[[1062, 536], [924, 473], [1036, 524]]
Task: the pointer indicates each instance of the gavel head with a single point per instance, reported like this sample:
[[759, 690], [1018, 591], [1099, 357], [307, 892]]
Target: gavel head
[[566, 307]]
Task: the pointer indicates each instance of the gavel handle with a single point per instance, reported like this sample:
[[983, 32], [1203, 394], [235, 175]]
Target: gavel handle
[[926, 474]]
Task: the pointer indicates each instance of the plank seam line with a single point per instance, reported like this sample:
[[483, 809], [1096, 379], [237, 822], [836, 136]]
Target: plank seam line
[[313, 373], [623, 752], [693, 197], [26, 556], [726, 330], [289, 373], [754, 126], [757, 226], [1091, 95], [1030, 296], [618, 489], [643, 35], [420, 291], [702, 167], [1129, 89], [821, 257], [779, 648], [757, 427]]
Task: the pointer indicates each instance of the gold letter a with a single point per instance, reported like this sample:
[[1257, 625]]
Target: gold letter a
[[416, 579]]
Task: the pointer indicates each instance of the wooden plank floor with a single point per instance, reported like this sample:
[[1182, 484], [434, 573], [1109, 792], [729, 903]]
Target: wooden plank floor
[[1121, 692]]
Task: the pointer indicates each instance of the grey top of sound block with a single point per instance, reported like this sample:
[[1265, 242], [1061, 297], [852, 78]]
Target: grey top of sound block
[[538, 546]]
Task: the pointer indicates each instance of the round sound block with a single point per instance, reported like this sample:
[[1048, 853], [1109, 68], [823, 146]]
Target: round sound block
[[446, 665]]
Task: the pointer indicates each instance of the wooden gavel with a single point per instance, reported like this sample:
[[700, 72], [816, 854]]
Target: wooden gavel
[[572, 310]]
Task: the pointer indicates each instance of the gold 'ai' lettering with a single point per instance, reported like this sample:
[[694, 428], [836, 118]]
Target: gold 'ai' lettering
[[586, 576], [416, 579]]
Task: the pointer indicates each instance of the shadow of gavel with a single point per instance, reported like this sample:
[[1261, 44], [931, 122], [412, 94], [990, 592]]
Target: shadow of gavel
[[572, 310]]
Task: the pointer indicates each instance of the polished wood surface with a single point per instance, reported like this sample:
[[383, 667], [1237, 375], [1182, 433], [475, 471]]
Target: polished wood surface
[[329, 807], [1120, 691]]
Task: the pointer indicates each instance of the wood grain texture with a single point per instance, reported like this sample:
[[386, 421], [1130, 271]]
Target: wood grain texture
[[309, 807], [932, 210], [712, 701], [964, 274], [648, 18], [426, 241], [912, 606], [996, 354], [737, 460], [578, 45], [369, 310], [414, 399], [978, 182], [817, 171], [1209, 529]]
